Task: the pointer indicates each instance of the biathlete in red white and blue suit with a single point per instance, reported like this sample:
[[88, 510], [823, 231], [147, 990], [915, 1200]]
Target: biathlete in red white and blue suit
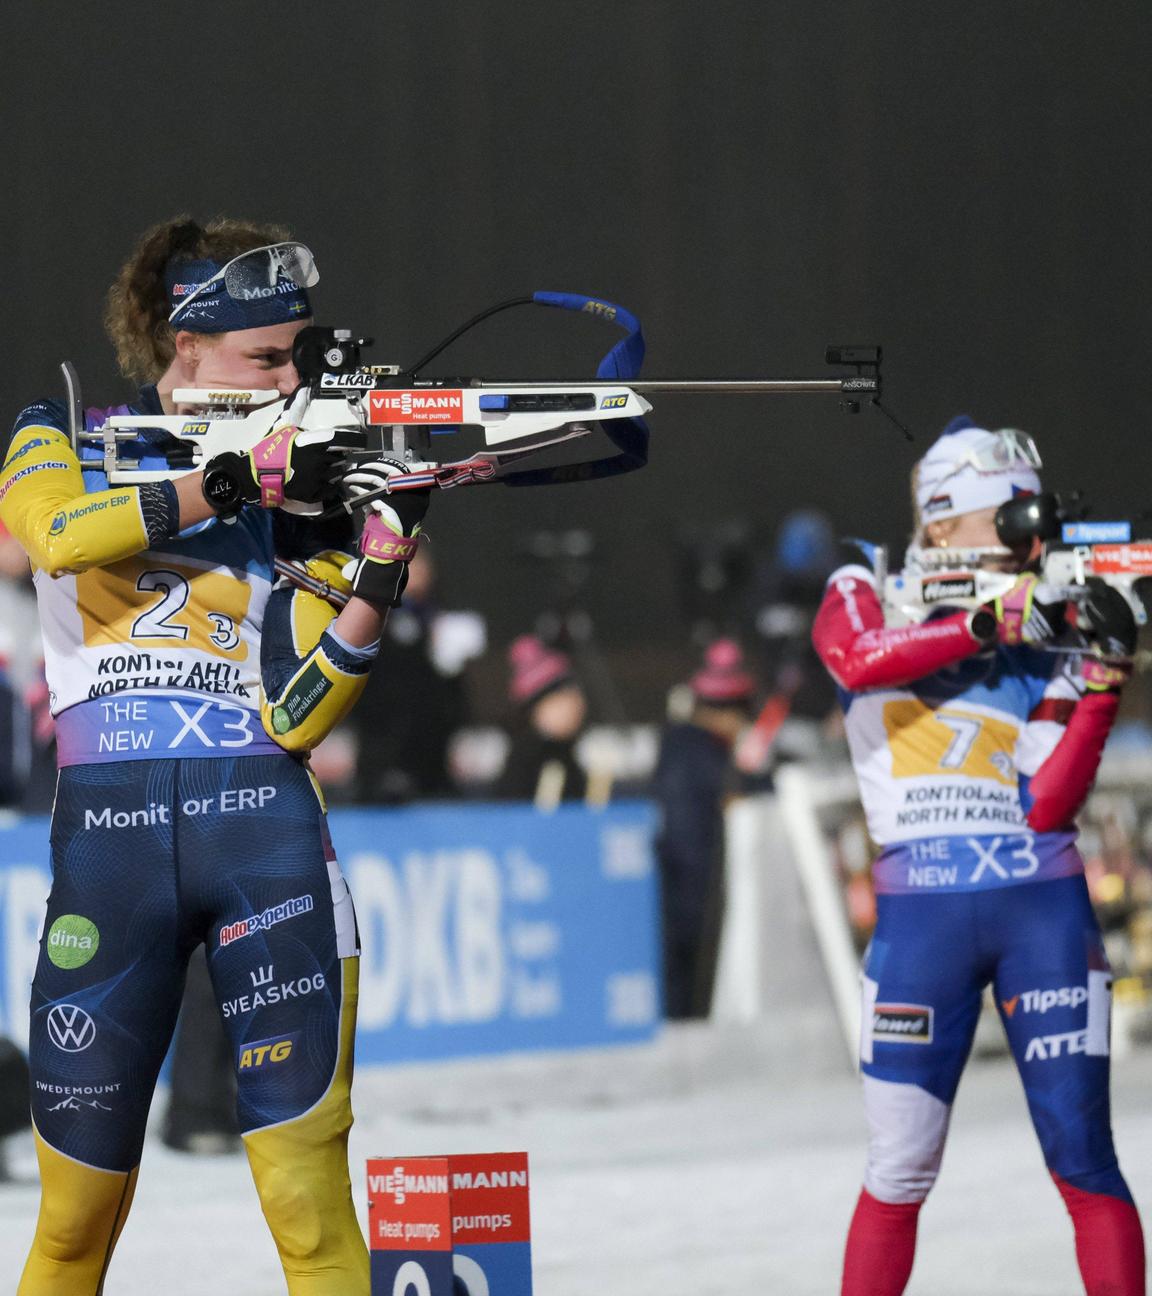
[[974, 749]]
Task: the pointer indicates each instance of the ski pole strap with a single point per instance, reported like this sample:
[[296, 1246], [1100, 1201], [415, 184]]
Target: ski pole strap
[[629, 435], [270, 460], [380, 543]]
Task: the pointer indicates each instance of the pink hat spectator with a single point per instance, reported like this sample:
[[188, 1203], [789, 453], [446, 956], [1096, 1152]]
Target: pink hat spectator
[[536, 669], [723, 678]]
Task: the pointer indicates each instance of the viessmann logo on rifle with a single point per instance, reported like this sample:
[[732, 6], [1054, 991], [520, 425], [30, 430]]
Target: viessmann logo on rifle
[[954, 585], [902, 1023], [415, 407], [1123, 559]]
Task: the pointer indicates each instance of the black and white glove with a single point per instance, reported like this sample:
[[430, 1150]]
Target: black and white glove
[[1107, 620], [290, 468], [391, 533]]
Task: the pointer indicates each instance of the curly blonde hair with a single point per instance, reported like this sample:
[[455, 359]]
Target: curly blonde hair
[[137, 311]]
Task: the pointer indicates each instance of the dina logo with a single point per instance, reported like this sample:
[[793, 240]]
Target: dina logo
[[72, 941], [70, 1028]]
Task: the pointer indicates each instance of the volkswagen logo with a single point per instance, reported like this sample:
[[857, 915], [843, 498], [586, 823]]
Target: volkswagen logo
[[70, 1028]]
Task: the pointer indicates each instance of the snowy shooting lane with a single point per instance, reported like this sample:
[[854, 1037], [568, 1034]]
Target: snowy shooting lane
[[701, 1166]]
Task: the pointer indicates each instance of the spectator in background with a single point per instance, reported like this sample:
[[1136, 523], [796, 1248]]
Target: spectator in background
[[694, 777], [552, 713], [416, 700], [787, 590], [21, 671], [15, 1114], [201, 1113]]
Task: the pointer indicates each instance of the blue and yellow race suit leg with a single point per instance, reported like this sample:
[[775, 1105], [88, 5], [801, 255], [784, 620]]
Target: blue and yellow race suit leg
[[186, 686], [185, 842]]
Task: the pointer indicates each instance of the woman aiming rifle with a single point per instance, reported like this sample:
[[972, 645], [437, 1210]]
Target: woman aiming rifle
[[188, 687], [974, 749]]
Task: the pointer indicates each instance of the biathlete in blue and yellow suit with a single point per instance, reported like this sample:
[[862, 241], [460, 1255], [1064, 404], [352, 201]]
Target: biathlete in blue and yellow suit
[[187, 688], [974, 749]]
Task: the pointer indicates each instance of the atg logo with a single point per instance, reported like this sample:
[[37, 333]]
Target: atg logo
[[269, 1052], [70, 1028], [386, 407]]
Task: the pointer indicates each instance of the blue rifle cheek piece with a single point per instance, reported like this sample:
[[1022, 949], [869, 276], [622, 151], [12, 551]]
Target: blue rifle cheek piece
[[494, 402], [628, 435]]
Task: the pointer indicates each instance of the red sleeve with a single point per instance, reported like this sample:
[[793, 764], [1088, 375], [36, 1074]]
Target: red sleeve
[[1060, 786], [860, 653]]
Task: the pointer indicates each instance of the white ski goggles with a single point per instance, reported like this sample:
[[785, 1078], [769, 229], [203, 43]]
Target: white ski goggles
[[1006, 448], [257, 270]]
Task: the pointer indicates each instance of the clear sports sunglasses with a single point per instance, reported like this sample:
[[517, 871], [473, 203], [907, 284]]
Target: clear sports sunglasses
[[259, 268], [1006, 448]]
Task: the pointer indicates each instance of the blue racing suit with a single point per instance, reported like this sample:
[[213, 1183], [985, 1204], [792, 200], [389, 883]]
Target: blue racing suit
[[972, 763], [187, 686]]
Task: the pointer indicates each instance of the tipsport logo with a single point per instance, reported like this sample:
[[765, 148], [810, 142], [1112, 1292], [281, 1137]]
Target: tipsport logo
[[70, 1028], [1042, 1001]]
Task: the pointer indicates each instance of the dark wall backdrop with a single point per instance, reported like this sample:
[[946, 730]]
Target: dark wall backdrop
[[967, 183]]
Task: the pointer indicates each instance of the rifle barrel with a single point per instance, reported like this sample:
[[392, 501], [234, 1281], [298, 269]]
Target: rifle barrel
[[728, 386]]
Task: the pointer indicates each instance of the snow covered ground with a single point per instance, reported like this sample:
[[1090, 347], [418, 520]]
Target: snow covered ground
[[712, 1163]]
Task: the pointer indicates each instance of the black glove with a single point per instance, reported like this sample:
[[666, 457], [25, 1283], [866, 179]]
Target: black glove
[[1110, 623], [391, 533], [292, 468]]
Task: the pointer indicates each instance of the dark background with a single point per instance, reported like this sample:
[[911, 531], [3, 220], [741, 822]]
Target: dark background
[[966, 183]]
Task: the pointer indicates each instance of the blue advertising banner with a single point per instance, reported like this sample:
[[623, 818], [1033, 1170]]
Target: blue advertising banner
[[485, 929]]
